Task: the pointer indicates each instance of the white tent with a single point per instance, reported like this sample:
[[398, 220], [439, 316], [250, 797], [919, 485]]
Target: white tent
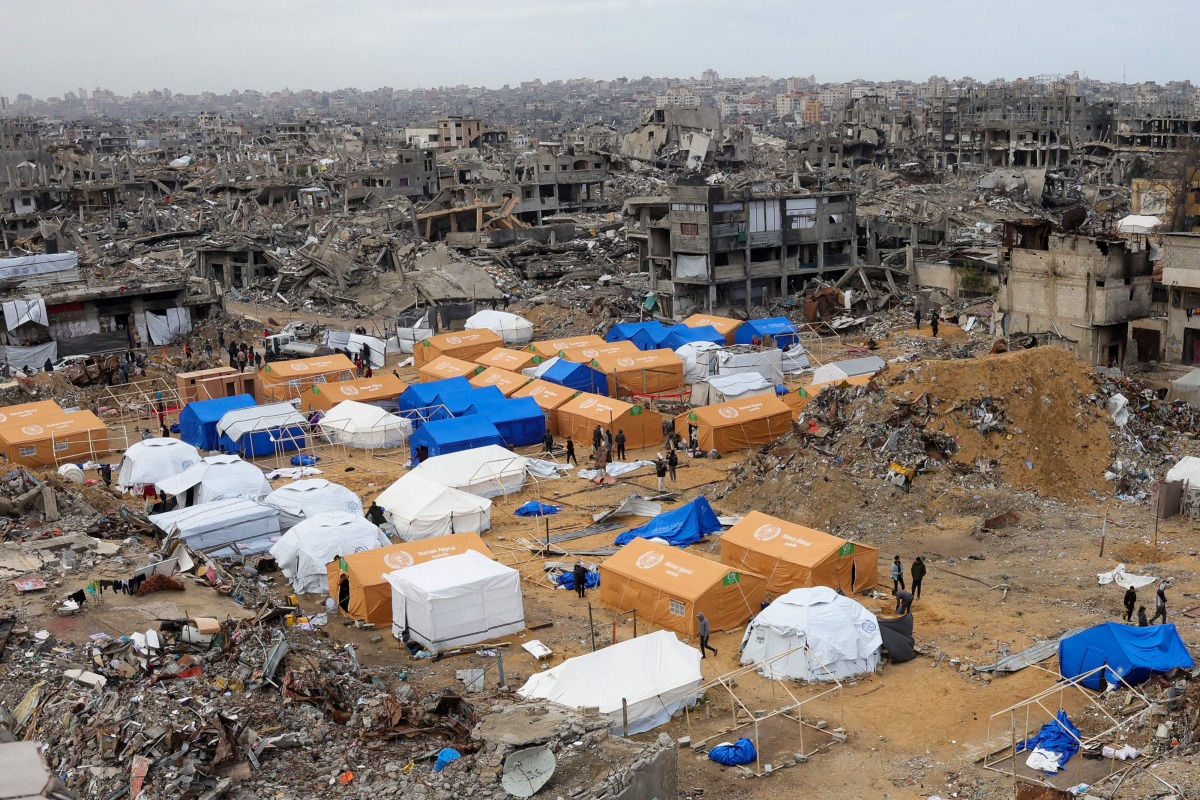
[[1138, 223], [512, 328], [698, 360], [256, 419], [217, 478], [723, 388], [307, 498], [456, 601], [1186, 388], [487, 471], [765, 361], [304, 552], [354, 343], [151, 460], [1186, 469], [364, 426], [223, 528], [655, 674], [420, 508], [836, 637], [840, 370]]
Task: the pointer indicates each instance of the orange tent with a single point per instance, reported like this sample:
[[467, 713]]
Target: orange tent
[[725, 326], [669, 586], [550, 397], [507, 382], [69, 437], [648, 372], [553, 347], [40, 411], [366, 595], [737, 424], [585, 355], [324, 396], [288, 380], [464, 345], [579, 416], [448, 367], [511, 360], [794, 557]]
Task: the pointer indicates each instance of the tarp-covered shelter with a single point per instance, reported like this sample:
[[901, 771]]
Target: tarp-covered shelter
[[424, 395], [149, 461], [262, 430], [646, 679], [851, 368], [898, 639], [781, 332], [553, 347], [512, 328], [488, 471], [288, 380], [573, 375], [309, 497], [1131, 654], [769, 362], [726, 326], [585, 355], [455, 403], [304, 552], [198, 419], [364, 426], [229, 527], [579, 416], [219, 477], [737, 424], [549, 397], [358, 344], [792, 556], [723, 388], [463, 345], [357, 580], [507, 382], [75, 436], [830, 636], [697, 358], [419, 508], [456, 601], [669, 587], [508, 359], [625, 331], [1186, 388], [444, 367], [1143, 224], [519, 420], [677, 336], [380, 390], [649, 372], [444, 436], [680, 527]]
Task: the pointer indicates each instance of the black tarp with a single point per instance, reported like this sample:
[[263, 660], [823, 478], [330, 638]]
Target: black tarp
[[898, 638], [94, 343]]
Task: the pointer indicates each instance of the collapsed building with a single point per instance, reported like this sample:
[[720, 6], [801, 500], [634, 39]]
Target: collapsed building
[[691, 138]]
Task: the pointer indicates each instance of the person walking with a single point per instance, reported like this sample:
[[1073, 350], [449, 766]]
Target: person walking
[[1130, 602], [918, 575], [704, 631], [580, 574], [933, 322], [221, 340], [548, 442], [257, 360], [597, 438], [1160, 603], [620, 440], [571, 459], [1142, 621], [672, 463], [917, 315], [660, 471], [897, 574]]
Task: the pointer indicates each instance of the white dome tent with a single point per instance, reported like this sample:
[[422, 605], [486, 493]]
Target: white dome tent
[[304, 552], [149, 461], [364, 426], [302, 499], [512, 328], [420, 508], [831, 636], [217, 478]]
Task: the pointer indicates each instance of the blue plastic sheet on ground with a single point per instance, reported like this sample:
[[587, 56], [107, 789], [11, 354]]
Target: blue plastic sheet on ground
[[567, 580], [305, 460], [681, 527], [1057, 736], [447, 755], [535, 509], [731, 755]]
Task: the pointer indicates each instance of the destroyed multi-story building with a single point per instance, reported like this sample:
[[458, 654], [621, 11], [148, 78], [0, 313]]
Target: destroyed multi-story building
[[707, 247], [1076, 291], [690, 138], [1180, 333], [456, 133]]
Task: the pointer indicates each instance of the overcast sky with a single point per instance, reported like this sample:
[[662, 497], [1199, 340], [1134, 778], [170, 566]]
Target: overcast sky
[[219, 45]]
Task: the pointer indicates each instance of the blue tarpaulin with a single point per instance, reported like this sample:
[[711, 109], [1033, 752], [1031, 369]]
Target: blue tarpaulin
[[1057, 736], [579, 377], [567, 580], [685, 525], [458, 403], [780, 329], [199, 418], [422, 395], [679, 335], [731, 755], [1131, 654], [535, 509], [625, 331], [453, 435], [520, 420], [650, 336]]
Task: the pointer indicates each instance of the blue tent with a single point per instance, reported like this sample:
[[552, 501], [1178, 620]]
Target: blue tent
[[422, 395], [1131, 654], [520, 420], [625, 331], [651, 336], [444, 436], [579, 377], [458, 403], [679, 335], [257, 444], [198, 420], [778, 328], [685, 525]]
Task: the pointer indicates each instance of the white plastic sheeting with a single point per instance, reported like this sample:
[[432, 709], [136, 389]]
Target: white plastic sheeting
[[723, 388], [1138, 223], [304, 552], [765, 361], [1126, 580], [456, 601], [364, 426], [165, 327], [420, 508], [354, 342], [151, 461], [223, 528], [19, 312], [839, 370], [241, 421], [656, 674], [698, 360], [408, 336], [512, 328], [537, 370], [1186, 469], [486, 471], [37, 264], [33, 356], [218, 478], [308, 498], [691, 266], [842, 637]]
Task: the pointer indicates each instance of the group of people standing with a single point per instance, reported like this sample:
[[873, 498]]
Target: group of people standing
[[1160, 606], [904, 596]]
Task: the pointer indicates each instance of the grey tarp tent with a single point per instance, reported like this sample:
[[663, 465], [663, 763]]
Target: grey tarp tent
[[898, 638]]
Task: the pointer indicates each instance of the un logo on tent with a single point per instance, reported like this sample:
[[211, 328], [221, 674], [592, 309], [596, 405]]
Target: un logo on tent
[[768, 532], [535, 391], [299, 366], [398, 560], [591, 401], [454, 340], [649, 560], [352, 506], [33, 430], [558, 346], [625, 362], [350, 391], [728, 413], [186, 463], [590, 353], [868, 626], [3, 418]]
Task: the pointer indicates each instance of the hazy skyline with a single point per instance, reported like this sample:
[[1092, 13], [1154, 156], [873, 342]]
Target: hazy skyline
[[218, 45]]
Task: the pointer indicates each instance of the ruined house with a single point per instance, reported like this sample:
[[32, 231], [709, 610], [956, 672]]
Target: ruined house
[[686, 138]]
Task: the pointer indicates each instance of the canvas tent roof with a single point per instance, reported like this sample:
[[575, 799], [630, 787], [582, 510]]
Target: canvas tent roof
[[585, 355], [780, 329], [552, 347], [354, 343], [578, 416], [831, 636], [625, 331], [1185, 469], [737, 424], [654, 675], [837, 370], [457, 402], [1138, 223], [324, 396], [487, 471], [367, 595], [456, 601], [697, 358], [262, 430], [151, 460], [78, 435], [420, 508], [792, 556], [1131, 654], [304, 552], [512, 328], [723, 388], [726, 326], [507, 382], [287, 380], [1186, 388], [199, 418], [508, 359], [219, 477], [649, 372], [669, 586], [309, 497], [463, 345], [26, 413], [548, 396], [423, 395], [224, 527], [444, 367], [444, 436], [364, 426], [680, 527]]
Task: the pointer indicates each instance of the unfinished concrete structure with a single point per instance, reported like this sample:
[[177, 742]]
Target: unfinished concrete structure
[[688, 138], [455, 133], [1181, 277], [1078, 292]]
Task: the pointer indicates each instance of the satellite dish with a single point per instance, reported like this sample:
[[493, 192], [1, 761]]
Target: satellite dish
[[526, 771]]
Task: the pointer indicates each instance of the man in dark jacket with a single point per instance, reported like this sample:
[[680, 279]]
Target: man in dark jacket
[[918, 575], [702, 628], [571, 459], [1130, 602], [548, 442], [375, 514], [620, 440], [580, 575], [672, 463], [597, 438], [1160, 603]]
